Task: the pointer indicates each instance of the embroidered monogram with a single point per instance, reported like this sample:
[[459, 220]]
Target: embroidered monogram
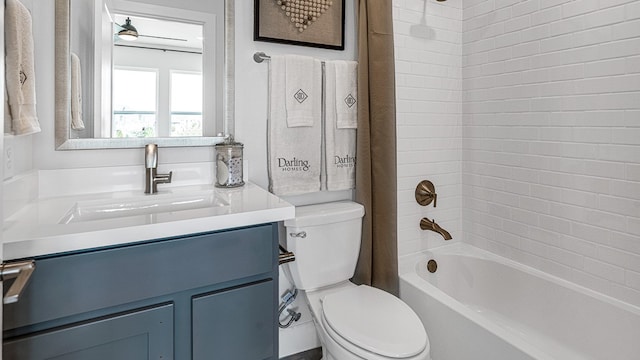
[[300, 96], [350, 100], [23, 77]]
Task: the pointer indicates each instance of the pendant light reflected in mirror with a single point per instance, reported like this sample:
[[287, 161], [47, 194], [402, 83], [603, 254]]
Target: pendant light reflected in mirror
[[128, 32]]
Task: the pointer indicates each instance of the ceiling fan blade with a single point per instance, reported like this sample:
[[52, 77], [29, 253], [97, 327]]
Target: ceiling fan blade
[[162, 37]]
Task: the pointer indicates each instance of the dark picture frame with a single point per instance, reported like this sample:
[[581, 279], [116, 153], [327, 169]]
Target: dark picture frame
[[272, 25]]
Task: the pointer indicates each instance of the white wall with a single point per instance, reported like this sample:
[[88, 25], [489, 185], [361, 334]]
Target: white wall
[[548, 134], [551, 137], [429, 117]]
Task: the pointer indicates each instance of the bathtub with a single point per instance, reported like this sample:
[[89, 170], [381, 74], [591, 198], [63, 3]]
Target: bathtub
[[478, 305]]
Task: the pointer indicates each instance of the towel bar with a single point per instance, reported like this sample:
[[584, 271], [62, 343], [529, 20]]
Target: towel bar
[[260, 57], [285, 256]]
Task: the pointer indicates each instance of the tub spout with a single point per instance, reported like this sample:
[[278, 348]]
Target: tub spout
[[426, 224]]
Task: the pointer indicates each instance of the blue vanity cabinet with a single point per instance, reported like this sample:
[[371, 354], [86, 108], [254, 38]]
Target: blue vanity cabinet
[[202, 296], [234, 324], [141, 334]]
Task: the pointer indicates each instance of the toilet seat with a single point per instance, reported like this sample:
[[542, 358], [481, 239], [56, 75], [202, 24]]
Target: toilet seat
[[369, 321]]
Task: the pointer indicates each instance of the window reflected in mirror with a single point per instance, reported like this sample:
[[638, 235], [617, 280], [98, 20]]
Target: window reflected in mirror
[[157, 78], [186, 103], [134, 102]]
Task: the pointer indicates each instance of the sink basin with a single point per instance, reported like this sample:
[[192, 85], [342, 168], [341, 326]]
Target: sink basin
[[141, 205]]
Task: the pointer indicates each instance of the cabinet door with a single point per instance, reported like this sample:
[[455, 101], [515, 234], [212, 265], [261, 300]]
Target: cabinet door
[[235, 324], [144, 334]]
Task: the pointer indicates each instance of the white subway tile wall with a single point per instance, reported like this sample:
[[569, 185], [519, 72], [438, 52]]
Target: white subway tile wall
[[526, 116], [428, 52], [551, 137]]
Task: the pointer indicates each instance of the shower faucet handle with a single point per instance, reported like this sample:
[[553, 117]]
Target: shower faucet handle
[[426, 193]]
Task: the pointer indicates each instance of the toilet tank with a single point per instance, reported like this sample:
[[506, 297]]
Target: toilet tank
[[325, 239]]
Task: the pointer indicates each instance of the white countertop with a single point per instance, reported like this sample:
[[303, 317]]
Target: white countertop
[[36, 229]]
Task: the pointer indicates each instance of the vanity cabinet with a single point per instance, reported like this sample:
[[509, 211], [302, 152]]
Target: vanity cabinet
[[202, 296], [141, 334]]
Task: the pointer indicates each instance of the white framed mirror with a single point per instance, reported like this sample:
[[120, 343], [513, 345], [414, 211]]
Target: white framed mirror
[[172, 85]]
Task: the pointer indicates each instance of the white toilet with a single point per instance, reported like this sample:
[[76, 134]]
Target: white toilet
[[353, 322]]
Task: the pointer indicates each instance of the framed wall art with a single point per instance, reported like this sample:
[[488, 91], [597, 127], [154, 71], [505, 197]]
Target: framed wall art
[[316, 23]]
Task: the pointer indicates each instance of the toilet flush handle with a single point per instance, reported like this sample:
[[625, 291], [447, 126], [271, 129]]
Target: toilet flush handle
[[301, 234]]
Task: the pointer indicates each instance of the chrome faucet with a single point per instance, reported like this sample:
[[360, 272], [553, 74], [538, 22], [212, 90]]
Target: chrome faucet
[[426, 224], [151, 176]]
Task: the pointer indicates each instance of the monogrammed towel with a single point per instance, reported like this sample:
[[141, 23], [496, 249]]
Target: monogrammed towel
[[340, 143], [302, 90], [346, 94], [294, 152], [19, 69]]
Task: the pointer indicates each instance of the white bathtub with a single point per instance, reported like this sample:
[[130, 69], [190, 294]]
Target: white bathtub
[[481, 306]]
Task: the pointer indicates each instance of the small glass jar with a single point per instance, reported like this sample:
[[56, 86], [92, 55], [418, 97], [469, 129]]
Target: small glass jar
[[229, 164]]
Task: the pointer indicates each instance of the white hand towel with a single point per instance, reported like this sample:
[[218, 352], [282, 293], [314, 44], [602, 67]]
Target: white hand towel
[[346, 94], [301, 90], [294, 152], [340, 143], [76, 93], [20, 71]]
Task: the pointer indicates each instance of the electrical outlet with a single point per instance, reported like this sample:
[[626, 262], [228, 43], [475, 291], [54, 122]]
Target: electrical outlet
[[8, 161]]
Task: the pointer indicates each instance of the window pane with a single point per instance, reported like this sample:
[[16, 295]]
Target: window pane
[[186, 104], [186, 92], [134, 125], [134, 90], [134, 103], [186, 124]]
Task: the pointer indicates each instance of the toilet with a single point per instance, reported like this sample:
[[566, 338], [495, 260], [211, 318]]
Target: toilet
[[352, 321]]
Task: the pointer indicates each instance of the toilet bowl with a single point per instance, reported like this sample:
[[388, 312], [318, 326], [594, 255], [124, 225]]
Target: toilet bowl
[[362, 322], [352, 321]]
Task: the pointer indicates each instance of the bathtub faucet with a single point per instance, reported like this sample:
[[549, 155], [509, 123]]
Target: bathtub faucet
[[426, 224]]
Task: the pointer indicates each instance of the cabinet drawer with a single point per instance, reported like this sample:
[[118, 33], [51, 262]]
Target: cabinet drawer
[[144, 334], [236, 324], [73, 284]]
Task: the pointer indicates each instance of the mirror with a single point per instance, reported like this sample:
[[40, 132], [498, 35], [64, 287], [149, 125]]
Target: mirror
[[170, 83]]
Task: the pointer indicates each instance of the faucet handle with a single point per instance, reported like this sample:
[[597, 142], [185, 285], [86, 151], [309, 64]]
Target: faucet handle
[[151, 156], [426, 193], [163, 178]]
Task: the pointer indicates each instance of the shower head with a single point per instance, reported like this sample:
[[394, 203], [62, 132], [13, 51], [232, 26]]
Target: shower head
[[422, 30]]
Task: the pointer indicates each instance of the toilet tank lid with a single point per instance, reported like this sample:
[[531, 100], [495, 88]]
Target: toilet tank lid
[[327, 213]]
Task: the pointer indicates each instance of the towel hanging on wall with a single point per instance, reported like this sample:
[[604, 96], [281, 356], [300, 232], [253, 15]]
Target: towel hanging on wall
[[346, 94], [294, 153], [340, 124], [20, 70], [301, 84]]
